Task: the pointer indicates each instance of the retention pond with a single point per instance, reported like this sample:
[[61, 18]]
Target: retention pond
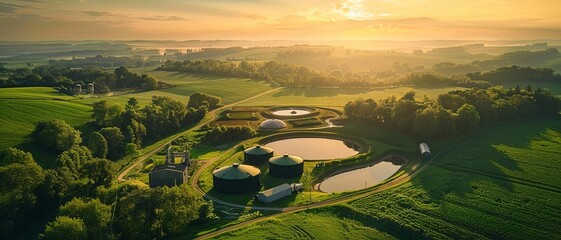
[[291, 112], [360, 178], [315, 148]]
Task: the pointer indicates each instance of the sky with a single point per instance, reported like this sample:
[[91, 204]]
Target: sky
[[331, 20]]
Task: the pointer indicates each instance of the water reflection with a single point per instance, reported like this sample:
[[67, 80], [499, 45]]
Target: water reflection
[[315, 148], [361, 178], [291, 112]]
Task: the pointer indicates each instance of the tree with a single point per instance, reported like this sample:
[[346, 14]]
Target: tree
[[445, 122], [20, 176], [425, 125], [131, 150], [98, 171], [57, 134], [100, 110], [65, 228], [467, 119], [115, 142], [450, 101], [94, 214], [150, 83], [98, 145], [132, 104]]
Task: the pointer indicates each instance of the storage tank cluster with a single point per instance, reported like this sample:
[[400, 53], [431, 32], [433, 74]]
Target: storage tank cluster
[[242, 178]]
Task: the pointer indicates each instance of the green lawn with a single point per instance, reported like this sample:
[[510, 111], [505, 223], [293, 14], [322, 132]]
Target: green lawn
[[336, 98], [502, 184], [229, 89]]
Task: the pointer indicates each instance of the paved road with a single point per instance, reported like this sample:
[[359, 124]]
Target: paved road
[[211, 115]]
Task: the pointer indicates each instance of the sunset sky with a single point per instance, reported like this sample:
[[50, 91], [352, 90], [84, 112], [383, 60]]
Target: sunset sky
[[280, 19]]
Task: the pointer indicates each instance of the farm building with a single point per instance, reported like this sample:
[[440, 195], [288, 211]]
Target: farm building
[[236, 178], [286, 166], [272, 124], [257, 155], [170, 174], [278, 192], [77, 88], [425, 151], [91, 88]]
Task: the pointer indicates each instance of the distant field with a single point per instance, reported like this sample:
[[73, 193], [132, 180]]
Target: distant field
[[229, 89], [502, 185], [336, 98], [21, 108]]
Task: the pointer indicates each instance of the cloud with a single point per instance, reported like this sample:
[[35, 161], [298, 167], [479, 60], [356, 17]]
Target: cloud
[[9, 8], [102, 14], [256, 17], [162, 18]]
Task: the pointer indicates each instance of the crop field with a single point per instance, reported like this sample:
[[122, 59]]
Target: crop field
[[229, 89], [325, 223], [487, 188], [336, 98], [21, 108]]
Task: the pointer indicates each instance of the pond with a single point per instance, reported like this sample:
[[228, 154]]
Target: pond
[[314, 148], [291, 112], [360, 178]]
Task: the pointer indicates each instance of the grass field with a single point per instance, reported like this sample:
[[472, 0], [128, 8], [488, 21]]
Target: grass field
[[21, 108], [325, 223], [502, 185], [229, 89], [336, 98]]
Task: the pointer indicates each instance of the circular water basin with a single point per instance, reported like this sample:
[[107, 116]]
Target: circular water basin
[[359, 178], [285, 112], [315, 148]]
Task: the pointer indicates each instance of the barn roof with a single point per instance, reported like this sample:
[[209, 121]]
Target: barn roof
[[276, 190], [170, 167], [258, 150], [286, 160], [236, 171]]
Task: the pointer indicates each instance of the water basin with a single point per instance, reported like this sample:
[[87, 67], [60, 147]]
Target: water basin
[[291, 112], [315, 148], [360, 178]]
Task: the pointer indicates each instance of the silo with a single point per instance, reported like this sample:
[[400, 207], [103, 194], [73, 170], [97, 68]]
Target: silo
[[236, 178], [286, 166], [257, 155], [91, 88], [77, 88]]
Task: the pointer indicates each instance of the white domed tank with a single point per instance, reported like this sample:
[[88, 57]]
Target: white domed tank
[[272, 124]]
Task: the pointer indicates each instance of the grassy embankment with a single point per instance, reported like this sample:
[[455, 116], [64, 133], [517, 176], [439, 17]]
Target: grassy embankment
[[502, 184]]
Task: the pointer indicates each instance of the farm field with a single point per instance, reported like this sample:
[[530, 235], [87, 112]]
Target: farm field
[[21, 108], [324, 223], [486, 188], [229, 89], [336, 98]]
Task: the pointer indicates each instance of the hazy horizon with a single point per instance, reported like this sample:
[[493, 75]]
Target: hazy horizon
[[348, 20]]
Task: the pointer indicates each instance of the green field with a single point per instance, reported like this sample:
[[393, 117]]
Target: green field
[[229, 89], [21, 108], [325, 223], [502, 185], [336, 98]]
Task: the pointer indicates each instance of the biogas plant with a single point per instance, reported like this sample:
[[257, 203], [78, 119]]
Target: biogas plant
[[298, 156]]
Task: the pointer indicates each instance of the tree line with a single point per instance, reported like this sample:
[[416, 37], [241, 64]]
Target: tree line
[[453, 113], [82, 180], [64, 78]]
